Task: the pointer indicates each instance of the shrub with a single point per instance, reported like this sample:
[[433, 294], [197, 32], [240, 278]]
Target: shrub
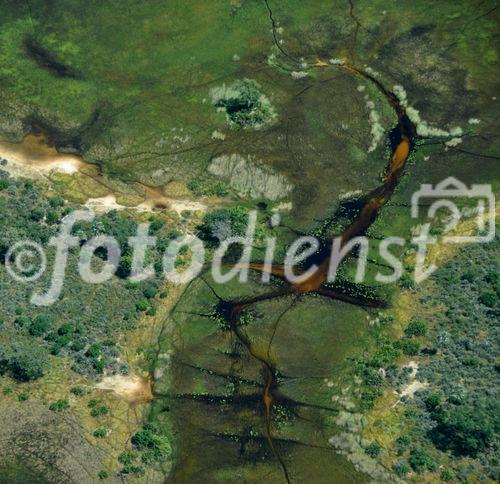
[[27, 361], [103, 474], [127, 457], [223, 223], [52, 217], [142, 305], [406, 281], [56, 202], [401, 468], [408, 346], [59, 405], [78, 345], [39, 325], [416, 328], [77, 391], [23, 396], [374, 449], [21, 321], [100, 433], [402, 443], [488, 298], [124, 267], [432, 401], [65, 329], [421, 461], [244, 104], [94, 350], [447, 475], [467, 428], [99, 411], [149, 292], [157, 446]]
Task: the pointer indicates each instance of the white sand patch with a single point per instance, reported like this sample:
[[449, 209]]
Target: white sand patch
[[104, 204], [181, 205], [130, 387], [411, 388], [413, 385]]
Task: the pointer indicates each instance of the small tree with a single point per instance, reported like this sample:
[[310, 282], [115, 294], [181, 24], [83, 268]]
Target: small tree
[[28, 361], [374, 449], [39, 325], [421, 461], [416, 328]]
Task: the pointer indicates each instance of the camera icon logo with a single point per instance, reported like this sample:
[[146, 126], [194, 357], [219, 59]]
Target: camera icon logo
[[452, 188]]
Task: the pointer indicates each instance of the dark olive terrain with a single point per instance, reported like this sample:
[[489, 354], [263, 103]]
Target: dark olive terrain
[[188, 114]]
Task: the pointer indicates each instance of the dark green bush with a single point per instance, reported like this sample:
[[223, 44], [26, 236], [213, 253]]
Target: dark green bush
[[421, 461], [374, 449], [27, 361], [99, 411], [488, 298], [467, 428], [103, 474], [39, 325], [100, 432], [78, 391], [401, 468], [416, 327], [223, 223], [59, 405], [408, 347], [157, 447]]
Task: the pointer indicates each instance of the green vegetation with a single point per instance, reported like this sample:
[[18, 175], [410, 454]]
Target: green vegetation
[[244, 104], [416, 328], [98, 410], [453, 422], [154, 447], [78, 391], [223, 223], [100, 432], [374, 449], [128, 460], [146, 91], [24, 360], [103, 474], [64, 329], [59, 405], [39, 326], [201, 189]]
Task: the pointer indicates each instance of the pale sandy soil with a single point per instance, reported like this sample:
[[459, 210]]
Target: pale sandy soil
[[414, 385], [411, 388], [104, 204], [129, 387], [34, 158]]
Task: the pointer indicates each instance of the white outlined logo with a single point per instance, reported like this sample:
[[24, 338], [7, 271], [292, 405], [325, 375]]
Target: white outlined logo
[[452, 188]]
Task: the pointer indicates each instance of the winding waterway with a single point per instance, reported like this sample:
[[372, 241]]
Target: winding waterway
[[403, 142]]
